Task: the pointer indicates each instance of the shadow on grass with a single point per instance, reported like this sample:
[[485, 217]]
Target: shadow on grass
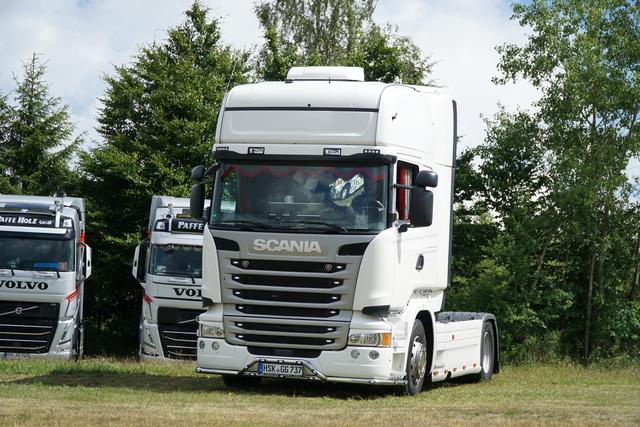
[[208, 384]]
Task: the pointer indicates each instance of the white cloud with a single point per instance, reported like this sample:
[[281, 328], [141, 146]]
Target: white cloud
[[461, 36], [82, 40]]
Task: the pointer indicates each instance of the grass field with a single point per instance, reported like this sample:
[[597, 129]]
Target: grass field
[[116, 392]]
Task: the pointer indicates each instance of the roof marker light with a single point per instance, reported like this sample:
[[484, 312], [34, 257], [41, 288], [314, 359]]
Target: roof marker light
[[255, 150], [332, 152]]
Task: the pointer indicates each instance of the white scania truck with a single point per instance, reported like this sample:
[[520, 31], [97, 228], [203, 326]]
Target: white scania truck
[[168, 266], [328, 241], [43, 265]]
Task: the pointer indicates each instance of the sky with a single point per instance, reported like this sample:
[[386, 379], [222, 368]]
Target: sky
[[83, 40]]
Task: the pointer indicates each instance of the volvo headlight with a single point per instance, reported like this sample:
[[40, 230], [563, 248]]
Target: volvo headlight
[[368, 339]]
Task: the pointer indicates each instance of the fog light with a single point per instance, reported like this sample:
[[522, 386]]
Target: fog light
[[215, 346], [355, 354], [373, 355], [201, 345]]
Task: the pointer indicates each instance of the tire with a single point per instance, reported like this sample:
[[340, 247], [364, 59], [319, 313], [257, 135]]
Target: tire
[[416, 367], [77, 348], [140, 340], [244, 381], [487, 352]]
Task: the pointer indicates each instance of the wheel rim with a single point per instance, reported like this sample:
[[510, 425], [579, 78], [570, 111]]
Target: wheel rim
[[418, 361], [487, 352]]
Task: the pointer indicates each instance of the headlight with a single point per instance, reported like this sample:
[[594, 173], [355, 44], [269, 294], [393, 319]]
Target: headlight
[[66, 335], [380, 339], [210, 331]]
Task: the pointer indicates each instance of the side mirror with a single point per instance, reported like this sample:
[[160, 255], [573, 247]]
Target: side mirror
[[426, 179], [197, 173], [196, 205], [139, 261], [85, 268], [421, 207], [135, 270]]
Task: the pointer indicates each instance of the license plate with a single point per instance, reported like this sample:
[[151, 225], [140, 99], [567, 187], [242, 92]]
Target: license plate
[[16, 356], [280, 369]]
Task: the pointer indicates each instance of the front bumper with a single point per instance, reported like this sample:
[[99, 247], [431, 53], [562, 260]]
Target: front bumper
[[357, 365]]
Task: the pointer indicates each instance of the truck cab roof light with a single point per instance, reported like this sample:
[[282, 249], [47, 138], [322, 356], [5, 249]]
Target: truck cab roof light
[[255, 150], [161, 225], [332, 152]]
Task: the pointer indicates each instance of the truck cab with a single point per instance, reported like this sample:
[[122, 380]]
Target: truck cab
[[328, 242], [44, 263], [168, 266]]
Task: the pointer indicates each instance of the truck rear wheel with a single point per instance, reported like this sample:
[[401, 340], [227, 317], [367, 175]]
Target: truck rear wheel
[[487, 352], [416, 369]]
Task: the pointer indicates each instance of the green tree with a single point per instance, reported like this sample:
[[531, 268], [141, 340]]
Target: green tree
[[556, 177], [5, 120], [37, 142], [333, 33], [158, 121]]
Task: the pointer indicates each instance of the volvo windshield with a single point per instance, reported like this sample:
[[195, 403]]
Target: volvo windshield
[[176, 260], [37, 253], [319, 198]]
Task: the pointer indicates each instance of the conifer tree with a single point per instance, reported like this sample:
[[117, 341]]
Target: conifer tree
[[37, 137]]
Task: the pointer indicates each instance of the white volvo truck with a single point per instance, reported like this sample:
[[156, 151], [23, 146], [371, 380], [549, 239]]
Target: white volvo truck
[[328, 241], [168, 266], [43, 265]]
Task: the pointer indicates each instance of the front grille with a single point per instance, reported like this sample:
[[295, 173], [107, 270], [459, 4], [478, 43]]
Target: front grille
[[277, 305], [178, 332], [287, 311], [27, 327], [297, 297], [288, 266], [288, 282], [284, 352]]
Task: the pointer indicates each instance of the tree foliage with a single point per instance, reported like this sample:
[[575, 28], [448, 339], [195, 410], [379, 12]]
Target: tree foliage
[[556, 179], [158, 121], [334, 33], [36, 137]]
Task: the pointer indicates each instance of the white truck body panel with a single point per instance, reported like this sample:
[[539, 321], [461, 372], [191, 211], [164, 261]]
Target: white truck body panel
[[43, 265]]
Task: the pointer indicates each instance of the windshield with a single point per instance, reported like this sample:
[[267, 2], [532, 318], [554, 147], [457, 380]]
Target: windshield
[[31, 253], [176, 260], [340, 198]]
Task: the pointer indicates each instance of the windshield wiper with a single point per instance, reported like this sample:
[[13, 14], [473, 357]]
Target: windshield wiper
[[13, 273], [22, 267], [175, 273], [235, 221], [326, 224], [56, 269]]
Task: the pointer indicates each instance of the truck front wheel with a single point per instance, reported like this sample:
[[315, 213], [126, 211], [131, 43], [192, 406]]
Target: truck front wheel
[[416, 369], [77, 347]]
